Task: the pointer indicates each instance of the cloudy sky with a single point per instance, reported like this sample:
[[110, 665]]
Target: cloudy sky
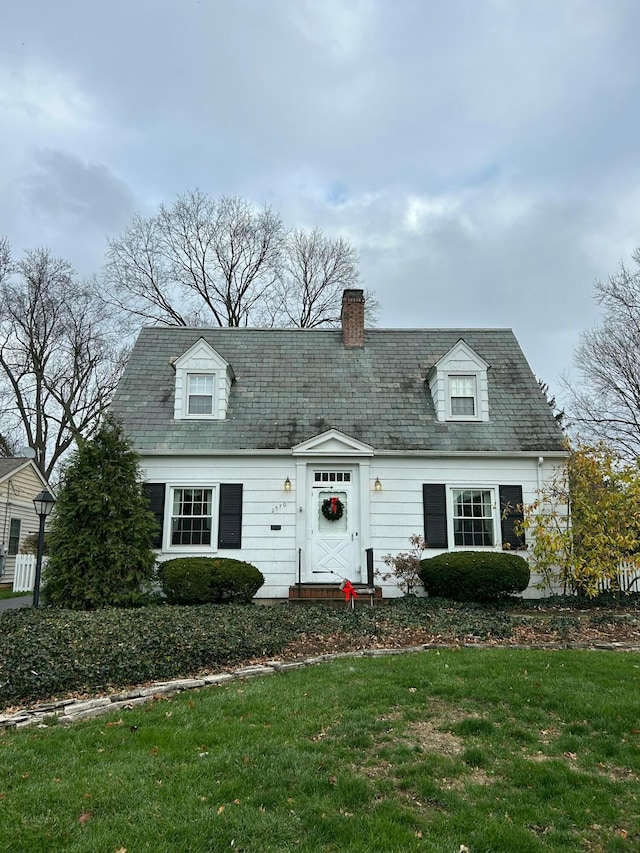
[[482, 155]]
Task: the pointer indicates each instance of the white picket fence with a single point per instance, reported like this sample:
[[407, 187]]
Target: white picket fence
[[25, 572], [628, 579]]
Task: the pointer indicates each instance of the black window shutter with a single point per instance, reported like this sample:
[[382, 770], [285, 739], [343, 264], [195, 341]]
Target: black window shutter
[[434, 499], [230, 516], [155, 492], [510, 514]]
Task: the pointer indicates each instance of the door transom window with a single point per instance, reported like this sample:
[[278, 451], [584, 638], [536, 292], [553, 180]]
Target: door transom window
[[332, 477]]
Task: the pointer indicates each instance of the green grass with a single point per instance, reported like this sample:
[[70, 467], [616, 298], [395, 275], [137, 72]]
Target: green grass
[[499, 750], [7, 593]]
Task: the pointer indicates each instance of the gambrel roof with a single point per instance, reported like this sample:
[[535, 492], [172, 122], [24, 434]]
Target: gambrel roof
[[293, 384]]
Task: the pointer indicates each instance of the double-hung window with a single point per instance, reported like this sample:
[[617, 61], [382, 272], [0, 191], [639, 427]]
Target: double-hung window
[[200, 394], [473, 517], [14, 536], [192, 517], [462, 396]]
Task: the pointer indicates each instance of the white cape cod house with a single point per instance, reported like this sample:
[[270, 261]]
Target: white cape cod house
[[246, 436]]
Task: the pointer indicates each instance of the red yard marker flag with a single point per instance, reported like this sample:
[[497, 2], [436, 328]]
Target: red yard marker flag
[[349, 592]]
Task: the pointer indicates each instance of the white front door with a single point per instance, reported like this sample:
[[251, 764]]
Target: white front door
[[334, 520]]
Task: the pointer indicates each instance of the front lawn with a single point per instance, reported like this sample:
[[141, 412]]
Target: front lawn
[[479, 750]]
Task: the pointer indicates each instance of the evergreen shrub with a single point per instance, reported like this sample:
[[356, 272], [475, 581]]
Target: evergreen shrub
[[101, 529], [209, 580], [474, 575]]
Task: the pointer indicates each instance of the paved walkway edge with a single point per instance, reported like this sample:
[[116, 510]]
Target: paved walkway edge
[[65, 711]]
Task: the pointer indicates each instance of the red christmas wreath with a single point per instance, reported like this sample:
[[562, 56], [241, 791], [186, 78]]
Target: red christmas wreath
[[333, 509]]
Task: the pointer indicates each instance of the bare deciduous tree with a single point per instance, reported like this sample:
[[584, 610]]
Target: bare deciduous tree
[[60, 357], [606, 404], [221, 261], [6, 446], [315, 271], [199, 260]]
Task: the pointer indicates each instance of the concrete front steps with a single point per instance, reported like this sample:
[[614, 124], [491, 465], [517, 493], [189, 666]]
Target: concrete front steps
[[332, 595]]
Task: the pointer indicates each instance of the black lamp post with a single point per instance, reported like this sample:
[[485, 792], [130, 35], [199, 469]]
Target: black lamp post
[[43, 504]]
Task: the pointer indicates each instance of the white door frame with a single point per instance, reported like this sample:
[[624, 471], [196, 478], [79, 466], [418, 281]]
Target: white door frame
[[332, 450], [333, 545], [360, 496]]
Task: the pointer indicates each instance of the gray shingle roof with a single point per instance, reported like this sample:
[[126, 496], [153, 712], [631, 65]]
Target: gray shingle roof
[[10, 464], [293, 384]]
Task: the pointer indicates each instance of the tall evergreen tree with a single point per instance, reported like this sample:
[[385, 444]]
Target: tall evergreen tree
[[100, 535]]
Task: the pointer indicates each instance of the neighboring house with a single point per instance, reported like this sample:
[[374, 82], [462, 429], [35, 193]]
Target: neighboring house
[[246, 436], [20, 482]]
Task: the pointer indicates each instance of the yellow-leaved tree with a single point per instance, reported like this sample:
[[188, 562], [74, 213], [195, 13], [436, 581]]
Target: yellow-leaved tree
[[585, 523]]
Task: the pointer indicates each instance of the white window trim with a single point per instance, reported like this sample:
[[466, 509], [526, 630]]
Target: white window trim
[[213, 415], [168, 546], [495, 511], [476, 374]]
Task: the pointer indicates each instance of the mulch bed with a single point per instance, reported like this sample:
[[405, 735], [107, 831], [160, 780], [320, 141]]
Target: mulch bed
[[537, 632]]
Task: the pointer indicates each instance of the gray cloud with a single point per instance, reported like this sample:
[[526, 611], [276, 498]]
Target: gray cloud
[[88, 195]]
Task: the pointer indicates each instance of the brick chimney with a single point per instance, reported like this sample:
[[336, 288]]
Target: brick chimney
[[352, 317]]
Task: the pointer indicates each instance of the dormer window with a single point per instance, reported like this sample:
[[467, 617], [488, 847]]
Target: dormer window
[[203, 384], [200, 394], [462, 396], [459, 385]]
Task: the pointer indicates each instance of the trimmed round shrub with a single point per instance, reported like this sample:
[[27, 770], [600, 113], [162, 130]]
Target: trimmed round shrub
[[209, 580], [474, 575]]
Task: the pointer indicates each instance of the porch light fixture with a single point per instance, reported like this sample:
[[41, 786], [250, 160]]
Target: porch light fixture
[[287, 485], [377, 485], [43, 504]]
